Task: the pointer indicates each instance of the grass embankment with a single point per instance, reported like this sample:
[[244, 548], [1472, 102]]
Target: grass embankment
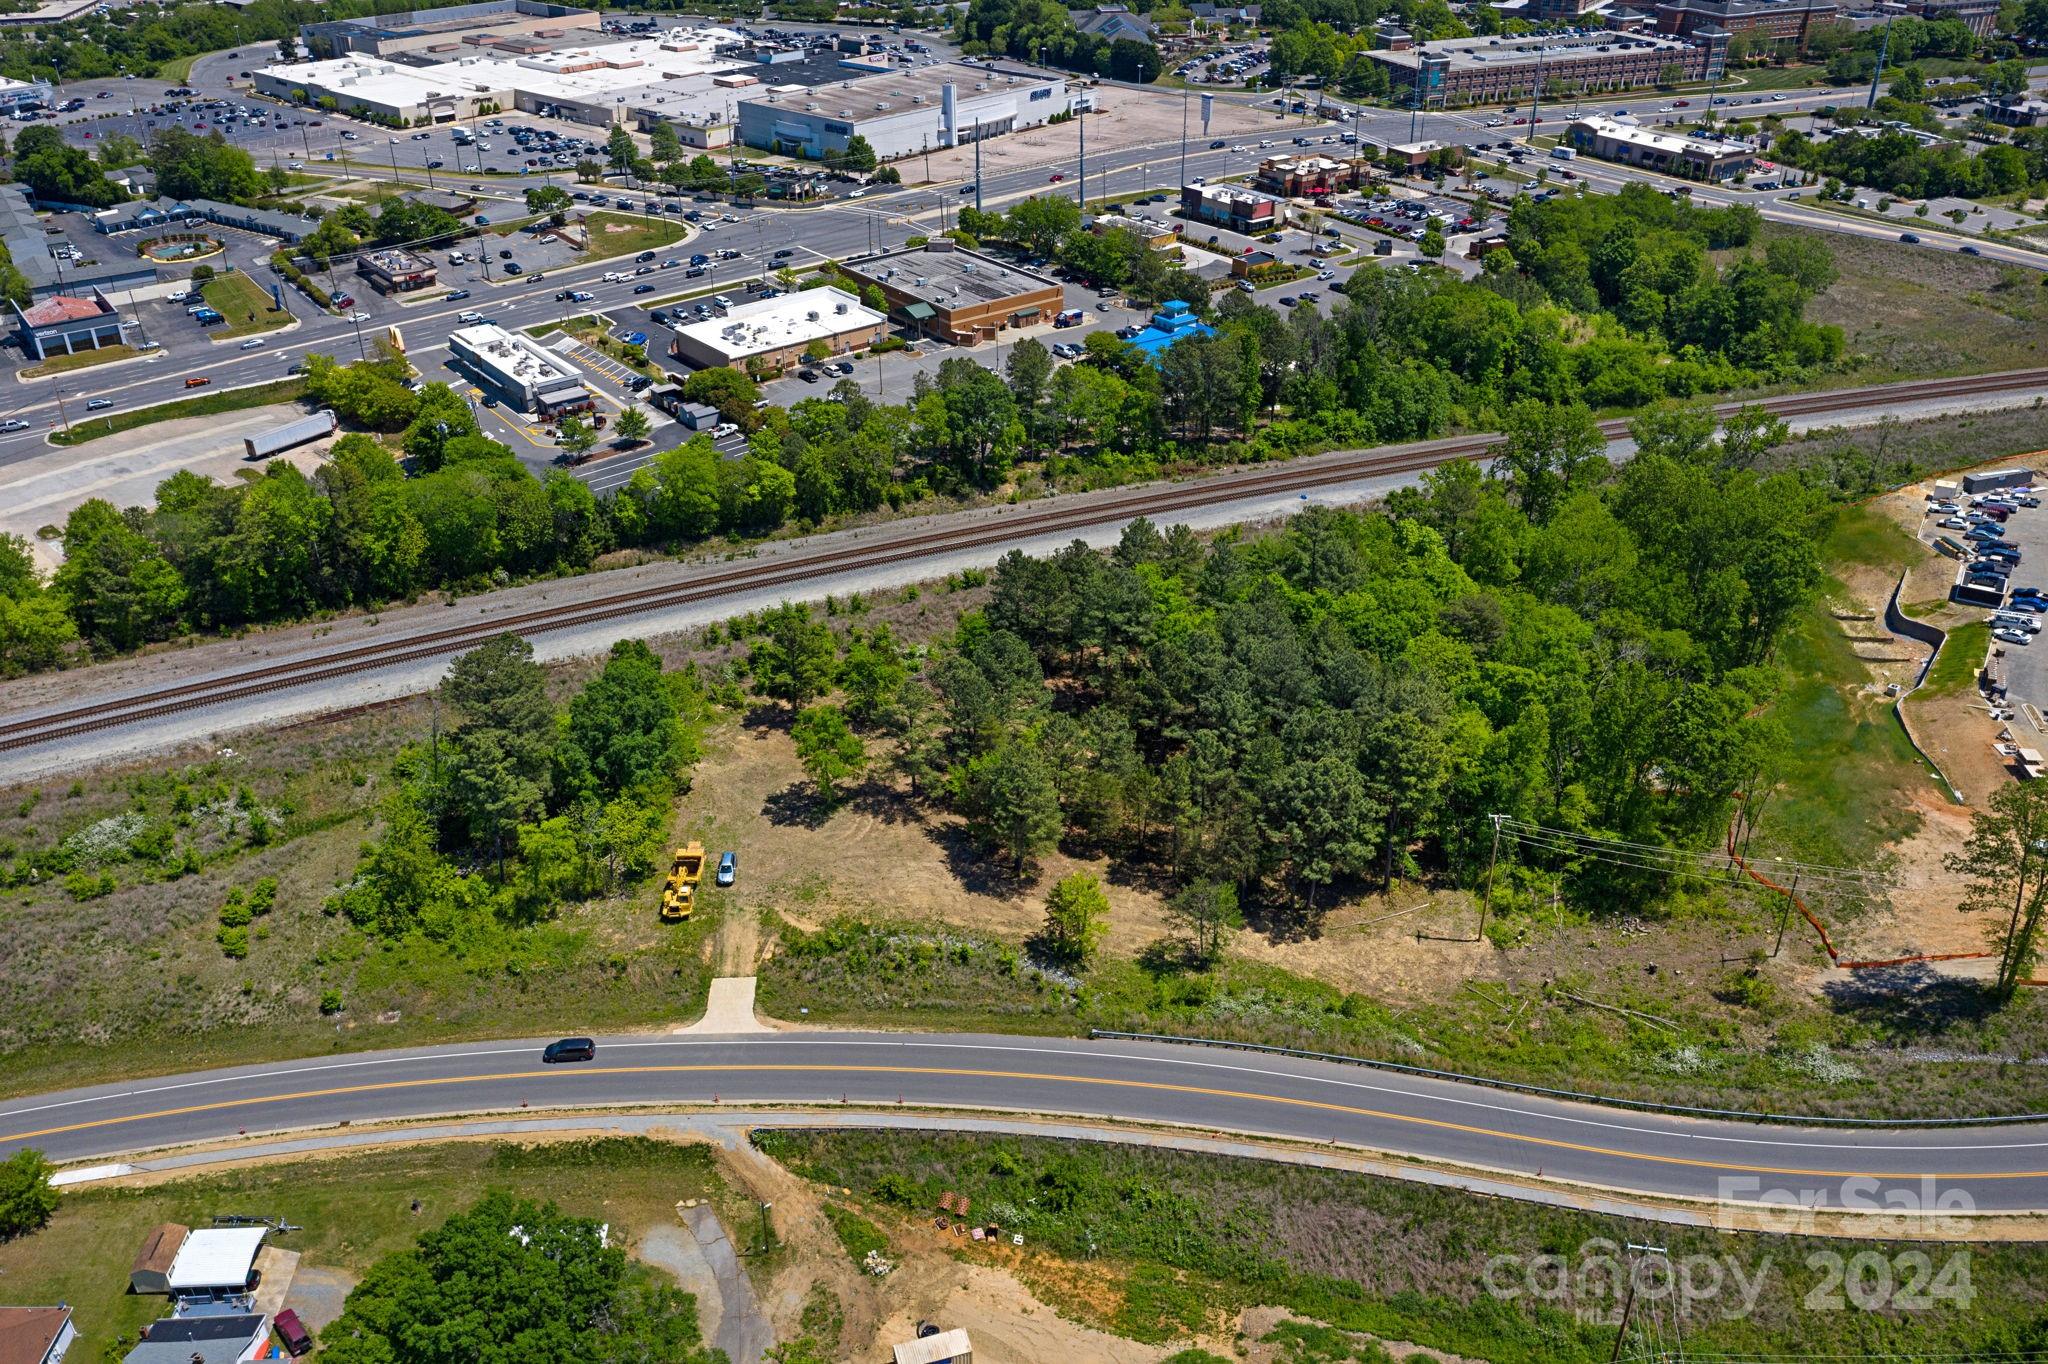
[[351, 1211], [85, 359], [204, 405], [1177, 1243], [244, 303], [177, 70], [1849, 771], [1962, 655]]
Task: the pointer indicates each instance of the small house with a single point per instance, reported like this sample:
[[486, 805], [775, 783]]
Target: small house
[[35, 1335]]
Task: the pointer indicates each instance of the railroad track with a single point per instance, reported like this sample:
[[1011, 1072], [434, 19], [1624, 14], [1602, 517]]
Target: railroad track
[[806, 565]]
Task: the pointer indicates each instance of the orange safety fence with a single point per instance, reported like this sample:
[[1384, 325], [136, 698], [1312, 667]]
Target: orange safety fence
[[1820, 929]]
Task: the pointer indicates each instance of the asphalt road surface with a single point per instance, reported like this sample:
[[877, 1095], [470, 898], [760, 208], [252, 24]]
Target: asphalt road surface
[[1949, 1169]]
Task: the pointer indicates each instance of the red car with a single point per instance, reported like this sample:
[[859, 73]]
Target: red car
[[291, 1333], [1057, 178]]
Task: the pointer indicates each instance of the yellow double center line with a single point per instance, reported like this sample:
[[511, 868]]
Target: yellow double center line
[[1154, 1086]]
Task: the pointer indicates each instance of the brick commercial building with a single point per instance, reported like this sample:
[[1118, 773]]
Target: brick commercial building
[[395, 271], [1695, 158], [959, 296], [1241, 210], [1790, 21], [1295, 177], [1489, 70]]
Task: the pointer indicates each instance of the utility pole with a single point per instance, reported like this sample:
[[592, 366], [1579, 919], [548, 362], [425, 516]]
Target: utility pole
[[1628, 1301], [977, 166], [1884, 48], [1486, 903], [1785, 915], [1536, 97], [1081, 118]]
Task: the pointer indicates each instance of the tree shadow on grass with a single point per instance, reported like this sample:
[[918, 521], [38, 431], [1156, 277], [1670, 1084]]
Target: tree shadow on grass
[[886, 804], [978, 871], [768, 718], [800, 805], [1910, 1001]]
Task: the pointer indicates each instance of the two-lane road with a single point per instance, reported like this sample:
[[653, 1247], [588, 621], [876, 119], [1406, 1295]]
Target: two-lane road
[[2002, 1168]]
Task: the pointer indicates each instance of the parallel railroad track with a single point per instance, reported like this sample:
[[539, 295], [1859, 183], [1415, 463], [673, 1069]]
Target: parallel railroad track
[[804, 566]]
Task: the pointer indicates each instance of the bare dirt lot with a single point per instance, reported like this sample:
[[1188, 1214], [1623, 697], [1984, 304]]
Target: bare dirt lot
[[1128, 118]]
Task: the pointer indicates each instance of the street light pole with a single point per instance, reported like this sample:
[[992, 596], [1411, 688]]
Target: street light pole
[[1884, 48], [1183, 138]]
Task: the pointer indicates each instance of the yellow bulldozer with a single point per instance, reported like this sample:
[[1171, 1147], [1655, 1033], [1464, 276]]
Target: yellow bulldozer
[[679, 896]]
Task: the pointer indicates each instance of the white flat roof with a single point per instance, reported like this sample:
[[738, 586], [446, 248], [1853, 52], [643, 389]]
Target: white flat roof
[[795, 319], [216, 1257], [1622, 130], [513, 357], [681, 61]]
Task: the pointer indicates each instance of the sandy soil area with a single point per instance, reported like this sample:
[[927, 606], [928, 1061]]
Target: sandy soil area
[[1128, 118]]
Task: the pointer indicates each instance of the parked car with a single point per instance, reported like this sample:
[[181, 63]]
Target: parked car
[[728, 868], [2007, 635], [570, 1049], [292, 1333]]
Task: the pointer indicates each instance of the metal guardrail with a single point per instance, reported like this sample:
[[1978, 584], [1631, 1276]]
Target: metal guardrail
[[1571, 1095]]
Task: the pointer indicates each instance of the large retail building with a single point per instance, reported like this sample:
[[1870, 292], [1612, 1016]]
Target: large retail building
[[779, 332], [680, 76], [902, 113], [959, 296]]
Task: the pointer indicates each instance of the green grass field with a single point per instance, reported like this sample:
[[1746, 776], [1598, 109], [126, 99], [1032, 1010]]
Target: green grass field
[[353, 1210], [244, 304], [204, 405], [620, 234]]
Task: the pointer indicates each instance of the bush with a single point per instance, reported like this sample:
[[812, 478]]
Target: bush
[[27, 1199], [85, 885], [234, 943], [856, 1233], [330, 1002]]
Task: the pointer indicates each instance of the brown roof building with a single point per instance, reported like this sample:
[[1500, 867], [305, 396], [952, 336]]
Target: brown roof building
[[35, 1335], [151, 1272], [959, 296]]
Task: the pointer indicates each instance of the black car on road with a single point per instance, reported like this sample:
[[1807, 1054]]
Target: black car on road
[[570, 1049]]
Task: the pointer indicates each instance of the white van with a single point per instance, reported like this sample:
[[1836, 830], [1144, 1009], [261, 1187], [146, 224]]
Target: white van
[[471, 316], [458, 258]]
